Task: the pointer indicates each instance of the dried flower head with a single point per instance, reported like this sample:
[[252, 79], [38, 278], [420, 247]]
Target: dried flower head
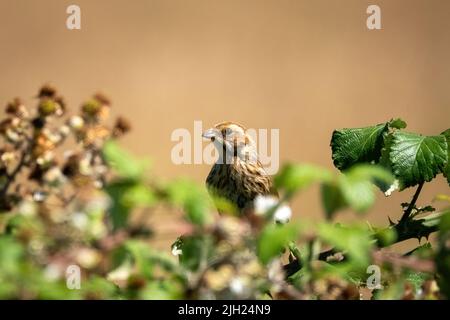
[[47, 91]]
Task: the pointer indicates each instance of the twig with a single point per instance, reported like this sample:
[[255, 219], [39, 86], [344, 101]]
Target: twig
[[401, 261], [408, 210], [12, 176]]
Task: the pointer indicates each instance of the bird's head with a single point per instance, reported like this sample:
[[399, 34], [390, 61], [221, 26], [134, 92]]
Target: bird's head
[[232, 139]]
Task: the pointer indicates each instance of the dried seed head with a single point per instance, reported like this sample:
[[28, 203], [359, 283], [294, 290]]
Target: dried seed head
[[47, 91], [91, 107], [121, 127], [17, 108], [47, 107], [102, 99]]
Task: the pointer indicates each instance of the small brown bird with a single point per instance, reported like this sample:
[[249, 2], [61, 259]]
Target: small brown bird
[[237, 176]]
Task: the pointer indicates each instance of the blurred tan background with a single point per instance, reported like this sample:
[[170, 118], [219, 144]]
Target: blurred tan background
[[305, 67]]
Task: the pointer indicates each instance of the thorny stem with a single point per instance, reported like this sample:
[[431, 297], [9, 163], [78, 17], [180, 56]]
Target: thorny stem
[[407, 212], [12, 176]]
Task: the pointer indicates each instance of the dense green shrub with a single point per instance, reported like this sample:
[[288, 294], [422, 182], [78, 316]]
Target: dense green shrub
[[88, 208]]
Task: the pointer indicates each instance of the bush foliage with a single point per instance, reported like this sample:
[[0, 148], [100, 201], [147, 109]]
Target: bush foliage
[[69, 195]]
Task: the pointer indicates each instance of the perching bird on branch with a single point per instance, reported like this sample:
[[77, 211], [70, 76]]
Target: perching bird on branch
[[237, 176]]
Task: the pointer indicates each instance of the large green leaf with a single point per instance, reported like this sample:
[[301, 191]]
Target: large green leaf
[[354, 188], [294, 178], [274, 238], [354, 240], [124, 163], [332, 199], [351, 146], [446, 134], [443, 255], [125, 195], [357, 185], [416, 158], [193, 199]]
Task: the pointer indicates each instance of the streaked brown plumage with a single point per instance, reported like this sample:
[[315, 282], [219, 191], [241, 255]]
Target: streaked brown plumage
[[237, 176]]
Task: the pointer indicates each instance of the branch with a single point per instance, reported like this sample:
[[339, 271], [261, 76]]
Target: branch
[[12, 176], [400, 261], [408, 210]]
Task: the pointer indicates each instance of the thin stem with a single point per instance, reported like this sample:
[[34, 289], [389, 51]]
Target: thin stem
[[408, 210], [12, 176]]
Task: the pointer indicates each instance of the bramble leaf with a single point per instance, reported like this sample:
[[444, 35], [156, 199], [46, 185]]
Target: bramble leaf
[[352, 146], [443, 255], [193, 199], [446, 172], [332, 199], [357, 185], [354, 240], [416, 158], [397, 123], [294, 178], [126, 165], [273, 239]]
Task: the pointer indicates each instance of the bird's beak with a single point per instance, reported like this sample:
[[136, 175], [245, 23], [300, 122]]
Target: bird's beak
[[210, 134]]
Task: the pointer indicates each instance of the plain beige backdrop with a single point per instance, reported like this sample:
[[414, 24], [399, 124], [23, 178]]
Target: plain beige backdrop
[[304, 67]]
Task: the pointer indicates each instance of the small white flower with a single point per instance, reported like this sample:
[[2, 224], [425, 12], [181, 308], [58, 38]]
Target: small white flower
[[121, 273], [76, 122], [394, 186], [8, 157], [98, 203], [52, 272], [283, 214], [176, 251], [45, 158], [264, 204], [85, 165], [12, 135], [64, 130], [54, 177], [27, 208], [80, 220], [237, 286], [39, 196]]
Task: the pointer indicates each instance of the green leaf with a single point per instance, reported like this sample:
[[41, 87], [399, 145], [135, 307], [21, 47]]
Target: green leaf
[[354, 240], [424, 251], [446, 172], [357, 185], [332, 199], [358, 145], [119, 209], [10, 254], [443, 255], [294, 178], [397, 123], [193, 199], [385, 236], [385, 162], [416, 159], [140, 252], [162, 290], [98, 287], [122, 161], [195, 249], [273, 239], [139, 195], [354, 188]]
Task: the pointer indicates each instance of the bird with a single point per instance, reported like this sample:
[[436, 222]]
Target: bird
[[237, 176]]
